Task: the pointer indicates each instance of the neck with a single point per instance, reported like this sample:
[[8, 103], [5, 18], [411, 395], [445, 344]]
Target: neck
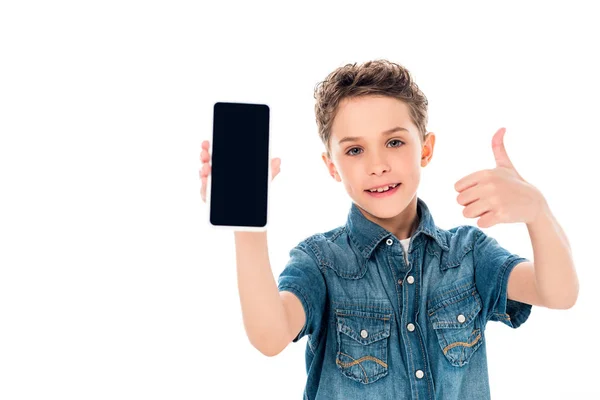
[[403, 225]]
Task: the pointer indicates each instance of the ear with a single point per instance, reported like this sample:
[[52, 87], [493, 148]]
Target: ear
[[331, 167], [427, 151]]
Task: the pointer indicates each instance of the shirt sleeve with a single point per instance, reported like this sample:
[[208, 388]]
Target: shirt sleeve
[[493, 265], [302, 276]]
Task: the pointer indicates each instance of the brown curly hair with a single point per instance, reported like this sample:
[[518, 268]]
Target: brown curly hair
[[377, 77]]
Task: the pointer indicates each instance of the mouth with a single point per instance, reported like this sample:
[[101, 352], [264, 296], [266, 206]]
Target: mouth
[[384, 191]]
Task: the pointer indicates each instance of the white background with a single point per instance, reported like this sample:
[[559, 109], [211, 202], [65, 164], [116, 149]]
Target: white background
[[112, 283]]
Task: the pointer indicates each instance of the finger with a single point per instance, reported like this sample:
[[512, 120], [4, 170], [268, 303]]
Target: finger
[[476, 209], [275, 167], [500, 154], [205, 151], [203, 189], [204, 156], [487, 220], [469, 180], [205, 171], [469, 195]]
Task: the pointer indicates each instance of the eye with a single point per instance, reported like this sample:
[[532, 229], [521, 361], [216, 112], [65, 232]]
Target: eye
[[396, 140], [350, 153]]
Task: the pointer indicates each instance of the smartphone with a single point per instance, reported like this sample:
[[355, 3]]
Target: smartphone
[[240, 169]]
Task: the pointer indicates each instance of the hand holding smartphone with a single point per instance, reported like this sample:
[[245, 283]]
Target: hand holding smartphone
[[205, 168], [240, 171]]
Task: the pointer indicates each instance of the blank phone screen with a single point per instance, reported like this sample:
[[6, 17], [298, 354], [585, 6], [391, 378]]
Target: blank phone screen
[[240, 165]]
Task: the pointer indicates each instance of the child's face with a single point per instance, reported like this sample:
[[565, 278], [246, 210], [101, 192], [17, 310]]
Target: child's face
[[376, 159]]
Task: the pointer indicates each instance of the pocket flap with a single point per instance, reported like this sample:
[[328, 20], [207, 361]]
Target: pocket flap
[[455, 311], [365, 327]]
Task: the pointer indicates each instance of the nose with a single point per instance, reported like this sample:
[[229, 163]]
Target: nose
[[378, 165]]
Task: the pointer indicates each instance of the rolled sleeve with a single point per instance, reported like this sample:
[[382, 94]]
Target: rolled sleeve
[[493, 265], [302, 277]]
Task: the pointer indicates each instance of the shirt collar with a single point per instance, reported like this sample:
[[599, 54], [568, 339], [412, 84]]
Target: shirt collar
[[367, 234]]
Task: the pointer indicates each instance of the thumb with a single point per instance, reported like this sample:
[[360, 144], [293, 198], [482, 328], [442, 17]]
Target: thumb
[[499, 150], [275, 167]]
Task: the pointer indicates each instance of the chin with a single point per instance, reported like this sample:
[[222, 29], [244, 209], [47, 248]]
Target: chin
[[384, 208], [387, 213], [382, 211]]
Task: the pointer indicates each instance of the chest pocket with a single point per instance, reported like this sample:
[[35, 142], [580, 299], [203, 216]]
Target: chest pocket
[[457, 324], [362, 340]]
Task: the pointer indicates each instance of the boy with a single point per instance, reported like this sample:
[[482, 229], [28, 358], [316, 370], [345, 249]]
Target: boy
[[395, 307]]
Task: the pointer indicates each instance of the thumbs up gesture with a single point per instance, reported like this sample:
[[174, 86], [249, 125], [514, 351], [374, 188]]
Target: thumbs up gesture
[[498, 195]]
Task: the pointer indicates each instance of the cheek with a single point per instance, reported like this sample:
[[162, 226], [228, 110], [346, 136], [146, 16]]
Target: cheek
[[343, 171], [349, 175], [416, 175], [411, 169], [416, 171]]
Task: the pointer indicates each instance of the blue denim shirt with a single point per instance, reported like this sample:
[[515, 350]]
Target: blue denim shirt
[[381, 326]]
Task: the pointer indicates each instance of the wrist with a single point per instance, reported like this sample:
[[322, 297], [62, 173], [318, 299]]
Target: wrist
[[542, 210]]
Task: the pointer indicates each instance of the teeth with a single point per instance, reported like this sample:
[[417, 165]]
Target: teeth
[[383, 189]]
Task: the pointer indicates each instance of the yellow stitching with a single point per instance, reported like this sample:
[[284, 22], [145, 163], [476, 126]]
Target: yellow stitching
[[361, 306], [361, 367], [355, 362], [361, 316], [450, 346]]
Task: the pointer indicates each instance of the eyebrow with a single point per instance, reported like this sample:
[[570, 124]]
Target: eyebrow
[[388, 132]]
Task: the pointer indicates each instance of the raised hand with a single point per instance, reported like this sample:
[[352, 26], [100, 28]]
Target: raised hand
[[205, 168], [498, 195]]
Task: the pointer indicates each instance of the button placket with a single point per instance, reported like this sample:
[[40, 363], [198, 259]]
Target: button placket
[[409, 310]]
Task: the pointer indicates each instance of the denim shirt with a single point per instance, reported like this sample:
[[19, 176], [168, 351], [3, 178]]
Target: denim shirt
[[382, 326]]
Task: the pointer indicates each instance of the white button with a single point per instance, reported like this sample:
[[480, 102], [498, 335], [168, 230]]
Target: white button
[[410, 279], [419, 374], [364, 334], [410, 327], [389, 242], [461, 318]]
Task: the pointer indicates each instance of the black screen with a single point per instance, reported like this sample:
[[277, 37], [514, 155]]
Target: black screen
[[240, 165]]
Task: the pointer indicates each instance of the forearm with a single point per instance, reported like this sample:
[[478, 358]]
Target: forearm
[[555, 274], [263, 312]]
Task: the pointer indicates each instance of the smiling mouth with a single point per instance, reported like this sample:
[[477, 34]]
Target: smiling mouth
[[384, 189]]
